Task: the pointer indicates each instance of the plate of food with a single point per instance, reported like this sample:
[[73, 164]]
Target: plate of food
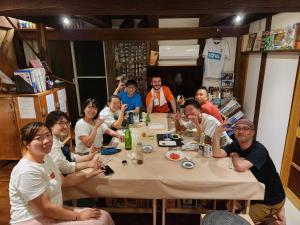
[[175, 155]]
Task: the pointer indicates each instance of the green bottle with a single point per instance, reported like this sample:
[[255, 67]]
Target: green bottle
[[147, 119], [128, 141]]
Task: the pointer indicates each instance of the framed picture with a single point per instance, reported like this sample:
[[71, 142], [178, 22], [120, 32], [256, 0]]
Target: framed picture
[[251, 41]]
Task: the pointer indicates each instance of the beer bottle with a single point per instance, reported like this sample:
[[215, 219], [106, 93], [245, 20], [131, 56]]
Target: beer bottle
[[128, 141], [147, 119]]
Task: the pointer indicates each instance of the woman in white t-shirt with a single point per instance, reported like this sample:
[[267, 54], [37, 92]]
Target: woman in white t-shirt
[[89, 130], [59, 123], [35, 186]]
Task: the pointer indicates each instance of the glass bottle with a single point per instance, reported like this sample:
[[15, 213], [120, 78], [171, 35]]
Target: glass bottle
[[202, 142], [147, 119], [139, 153], [128, 140]]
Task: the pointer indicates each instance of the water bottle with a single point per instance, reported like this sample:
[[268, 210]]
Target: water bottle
[[128, 140]]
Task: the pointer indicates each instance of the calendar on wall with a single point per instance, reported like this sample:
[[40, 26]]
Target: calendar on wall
[[131, 60]]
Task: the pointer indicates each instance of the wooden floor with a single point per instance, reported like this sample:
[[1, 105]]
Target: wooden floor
[[119, 218]]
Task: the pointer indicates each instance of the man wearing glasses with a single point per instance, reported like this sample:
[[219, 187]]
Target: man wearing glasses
[[247, 153]]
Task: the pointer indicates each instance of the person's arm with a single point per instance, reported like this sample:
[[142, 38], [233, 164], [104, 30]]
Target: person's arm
[[179, 127], [240, 164], [216, 148], [118, 123], [79, 177], [195, 120], [114, 134], [173, 105], [91, 163], [89, 139], [48, 209], [120, 87], [149, 102]]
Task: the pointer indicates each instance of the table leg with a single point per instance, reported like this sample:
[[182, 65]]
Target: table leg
[[154, 210], [247, 206], [163, 212]]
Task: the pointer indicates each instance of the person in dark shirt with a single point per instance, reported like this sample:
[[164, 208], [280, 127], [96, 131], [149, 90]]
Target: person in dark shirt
[[247, 153]]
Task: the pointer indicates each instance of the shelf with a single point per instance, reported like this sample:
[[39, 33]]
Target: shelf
[[274, 51]]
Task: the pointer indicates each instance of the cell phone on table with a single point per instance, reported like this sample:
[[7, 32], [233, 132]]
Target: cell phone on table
[[108, 171]]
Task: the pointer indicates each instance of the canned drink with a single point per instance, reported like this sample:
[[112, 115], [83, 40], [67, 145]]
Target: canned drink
[[130, 118], [207, 151]]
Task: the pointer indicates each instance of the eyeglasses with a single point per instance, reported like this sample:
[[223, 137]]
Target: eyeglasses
[[64, 124], [242, 129]]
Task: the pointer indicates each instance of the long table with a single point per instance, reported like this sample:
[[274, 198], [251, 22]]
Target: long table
[[160, 178]]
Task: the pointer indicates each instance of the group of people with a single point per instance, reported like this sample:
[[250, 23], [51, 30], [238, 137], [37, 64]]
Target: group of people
[[36, 181]]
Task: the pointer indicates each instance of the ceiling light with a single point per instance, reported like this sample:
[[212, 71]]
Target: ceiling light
[[238, 19], [66, 21]]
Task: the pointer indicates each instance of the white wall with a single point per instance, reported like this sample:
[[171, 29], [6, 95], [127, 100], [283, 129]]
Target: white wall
[[276, 103], [228, 65], [252, 74], [277, 94], [251, 85]]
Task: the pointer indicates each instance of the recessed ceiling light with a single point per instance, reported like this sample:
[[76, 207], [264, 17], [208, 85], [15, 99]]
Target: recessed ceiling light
[[66, 21], [238, 19]]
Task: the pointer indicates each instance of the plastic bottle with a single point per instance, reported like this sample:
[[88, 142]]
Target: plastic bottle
[[139, 153], [128, 140]]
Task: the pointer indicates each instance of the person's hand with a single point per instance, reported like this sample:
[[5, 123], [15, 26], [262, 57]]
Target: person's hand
[[177, 116], [88, 213], [123, 108], [234, 154], [221, 128], [98, 122], [121, 85], [181, 100], [194, 119], [95, 163], [121, 138]]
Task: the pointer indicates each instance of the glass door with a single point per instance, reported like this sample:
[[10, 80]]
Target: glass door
[[89, 71]]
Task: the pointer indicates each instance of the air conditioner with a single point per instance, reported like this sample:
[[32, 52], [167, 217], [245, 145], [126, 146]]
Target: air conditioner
[[178, 52]]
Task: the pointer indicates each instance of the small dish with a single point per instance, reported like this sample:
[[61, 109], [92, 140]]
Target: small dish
[[175, 155], [147, 148], [188, 164], [175, 136]]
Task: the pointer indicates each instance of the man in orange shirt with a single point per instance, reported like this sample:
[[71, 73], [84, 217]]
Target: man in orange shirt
[[157, 99], [207, 107]]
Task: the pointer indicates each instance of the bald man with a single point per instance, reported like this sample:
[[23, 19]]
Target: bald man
[[207, 107]]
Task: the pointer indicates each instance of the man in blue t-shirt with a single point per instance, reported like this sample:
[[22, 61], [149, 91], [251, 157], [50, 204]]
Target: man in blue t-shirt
[[129, 95], [249, 154]]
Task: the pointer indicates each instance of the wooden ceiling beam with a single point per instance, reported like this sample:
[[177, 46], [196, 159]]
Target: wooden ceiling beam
[[139, 34], [98, 21], [209, 20], [137, 7]]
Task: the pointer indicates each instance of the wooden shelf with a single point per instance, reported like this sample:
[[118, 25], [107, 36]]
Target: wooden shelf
[[274, 51]]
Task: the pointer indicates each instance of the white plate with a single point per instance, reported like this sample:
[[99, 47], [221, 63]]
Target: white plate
[[175, 155], [188, 164]]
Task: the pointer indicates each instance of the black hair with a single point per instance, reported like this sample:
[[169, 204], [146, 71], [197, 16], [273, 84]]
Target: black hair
[[203, 88], [131, 82], [90, 101], [192, 102], [29, 131], [55, 116], [113, 96], [156, 76]]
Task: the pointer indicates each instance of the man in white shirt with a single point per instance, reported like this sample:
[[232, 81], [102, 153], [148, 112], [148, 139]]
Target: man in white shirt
[[194, 119]]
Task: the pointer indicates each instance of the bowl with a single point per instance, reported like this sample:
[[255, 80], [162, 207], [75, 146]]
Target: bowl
[[147, 148]]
